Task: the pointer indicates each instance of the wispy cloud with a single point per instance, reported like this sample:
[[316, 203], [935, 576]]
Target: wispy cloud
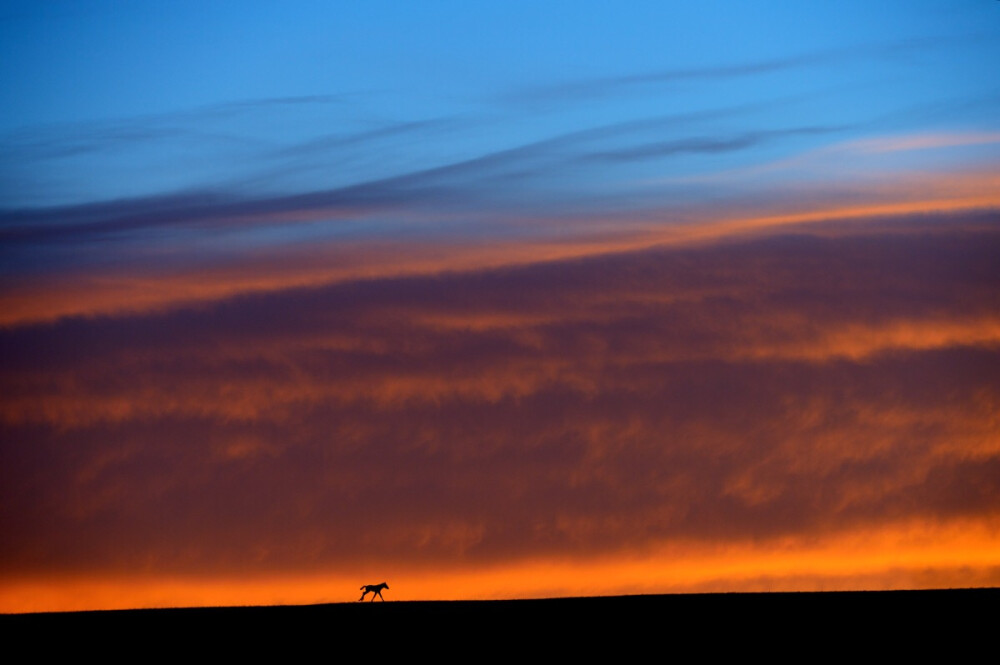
[[609, 86], [708, 145], [921, 141], [466, 182]]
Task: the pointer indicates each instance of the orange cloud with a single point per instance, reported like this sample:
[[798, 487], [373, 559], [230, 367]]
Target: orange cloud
[[805, 408]]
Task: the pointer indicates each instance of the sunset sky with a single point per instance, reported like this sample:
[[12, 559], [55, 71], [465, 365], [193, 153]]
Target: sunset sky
[[493, 300]]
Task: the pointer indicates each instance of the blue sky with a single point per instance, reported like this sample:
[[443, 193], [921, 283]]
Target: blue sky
[[115, 100]]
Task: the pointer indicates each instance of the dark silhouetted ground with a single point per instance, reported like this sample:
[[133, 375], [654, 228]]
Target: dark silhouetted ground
[[702, 626]]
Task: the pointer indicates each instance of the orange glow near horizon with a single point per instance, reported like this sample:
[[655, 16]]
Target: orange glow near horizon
[[909, 556]]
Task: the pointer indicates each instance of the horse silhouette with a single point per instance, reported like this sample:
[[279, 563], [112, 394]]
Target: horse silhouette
[[374, 590]]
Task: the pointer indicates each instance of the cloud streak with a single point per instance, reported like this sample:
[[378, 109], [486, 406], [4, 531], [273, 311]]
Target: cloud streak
[[606, 87], [116, 271], [464, 183]]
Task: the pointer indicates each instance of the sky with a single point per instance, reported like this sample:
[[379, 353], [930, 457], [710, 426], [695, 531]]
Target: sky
[[496, 300]]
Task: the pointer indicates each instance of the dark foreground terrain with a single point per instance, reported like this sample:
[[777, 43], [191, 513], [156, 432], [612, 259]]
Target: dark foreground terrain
[[889, 622]]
